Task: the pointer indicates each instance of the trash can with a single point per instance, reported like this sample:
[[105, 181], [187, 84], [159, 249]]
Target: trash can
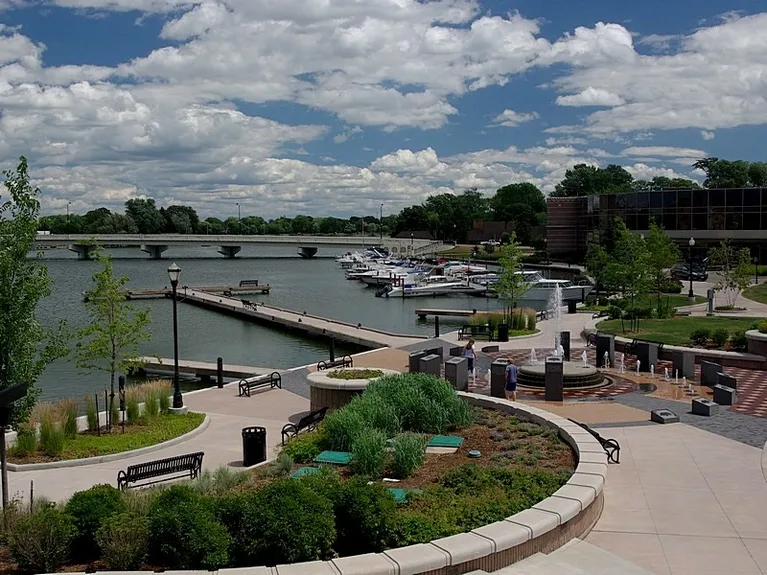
[[572, 306], [503, 332], [253, 445]]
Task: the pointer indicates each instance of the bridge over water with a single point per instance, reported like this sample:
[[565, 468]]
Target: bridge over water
[[229, 245]]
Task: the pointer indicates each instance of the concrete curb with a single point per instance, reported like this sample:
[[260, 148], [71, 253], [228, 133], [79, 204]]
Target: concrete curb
[[112, 456]]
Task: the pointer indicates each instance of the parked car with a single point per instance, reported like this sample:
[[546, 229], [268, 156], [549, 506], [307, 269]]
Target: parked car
[[682, 272]]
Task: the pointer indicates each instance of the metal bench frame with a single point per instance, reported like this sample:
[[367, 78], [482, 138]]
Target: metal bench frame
[[345, 361], [247, 304], [179, 466], [475, 331], [611, 446], [245, 386], [308, 422]]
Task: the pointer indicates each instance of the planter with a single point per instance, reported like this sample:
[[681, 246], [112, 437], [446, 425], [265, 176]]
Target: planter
[[757, 342], [334, 393]]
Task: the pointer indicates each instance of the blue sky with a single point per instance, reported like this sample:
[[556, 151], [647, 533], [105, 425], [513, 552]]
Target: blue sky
[[334, 107]]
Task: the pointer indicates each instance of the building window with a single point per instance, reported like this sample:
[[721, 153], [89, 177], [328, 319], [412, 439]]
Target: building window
[[643, 200], [716, 222], [700, 221], [751, 220], [734, 221], [734, 200], [669, 220], [700, 200], [683, 221], [656, 200], [751, 198], [669, 199], [716, 200], [684, 198], [643, 221]]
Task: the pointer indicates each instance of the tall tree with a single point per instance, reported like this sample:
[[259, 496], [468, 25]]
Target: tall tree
[[511, 284], [734, 273], [597, 264], [663, 254], [507, 197], [724, 173], [109, 343], [26, 347], [632, 266], [146, 215], [585, 180]]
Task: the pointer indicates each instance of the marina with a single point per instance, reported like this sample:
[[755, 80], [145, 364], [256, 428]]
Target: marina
[[244, 288], [200, 369]]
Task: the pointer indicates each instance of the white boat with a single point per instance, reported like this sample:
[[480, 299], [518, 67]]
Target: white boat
[[541, 288], [435, 286]]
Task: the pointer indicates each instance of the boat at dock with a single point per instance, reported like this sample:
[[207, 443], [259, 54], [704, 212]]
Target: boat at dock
[[434, 286]]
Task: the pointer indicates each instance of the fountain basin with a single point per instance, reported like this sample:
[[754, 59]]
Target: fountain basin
[[576, 376]]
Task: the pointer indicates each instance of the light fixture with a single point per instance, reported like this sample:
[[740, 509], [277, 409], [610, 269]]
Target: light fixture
[[174, 272]]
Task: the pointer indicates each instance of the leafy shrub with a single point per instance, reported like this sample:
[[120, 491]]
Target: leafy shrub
[[68, 409], [283, 465], [365, 517], [347, 374], [342, 426], [305, 447], [52, 436], [114, 411], [615, 312], [720, 337], [124, 541], [88, 510], [285, 522], [762, 327], [700, 336], [220, 481], [132, 402], [409, 453], [369, 452], [184, 532], [91, 415], [26, 441], [671, 285], [738, 340], [40, 542], [531, 319]]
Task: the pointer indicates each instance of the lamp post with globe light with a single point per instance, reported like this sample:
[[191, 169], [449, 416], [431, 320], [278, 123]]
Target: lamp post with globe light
[[174, 272], [691, 243]]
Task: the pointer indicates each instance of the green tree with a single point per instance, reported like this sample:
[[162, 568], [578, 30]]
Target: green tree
[[663, 254], [631, 267], [511, 282], [585, 180], [724, 173], [598, 265], [26, 347], [146, 215], [735, 272], [110, 342]]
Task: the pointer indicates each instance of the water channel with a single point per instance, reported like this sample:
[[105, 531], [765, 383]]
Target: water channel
[[317, 286]]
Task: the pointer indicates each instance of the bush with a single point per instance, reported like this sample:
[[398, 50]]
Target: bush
[[369, 452], [40, 542], [365, 517], [762, 327], [220, 481], [88, 510], [738, 340], [184, 532], [409, 453], [283, 465], [615, 312], [124, 541], [52, 436], [671, 285], [68, 409], [720, 337], [26, 441], [305, 447], [342, 426], [700, 336], [132, 410], [285, 522], [91, 415]]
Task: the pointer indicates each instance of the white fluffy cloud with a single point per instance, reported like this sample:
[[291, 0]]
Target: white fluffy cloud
[[171, 124]]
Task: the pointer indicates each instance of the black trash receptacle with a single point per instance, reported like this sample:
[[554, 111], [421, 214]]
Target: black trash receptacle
[[503, 332], [253, 445], [572, 306]]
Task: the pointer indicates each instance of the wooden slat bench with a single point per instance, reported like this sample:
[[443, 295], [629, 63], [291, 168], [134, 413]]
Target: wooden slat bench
[[273, 380], [247, 304], [345, 361], [307, 423], [475, 332], [179, 466], [611, 446]]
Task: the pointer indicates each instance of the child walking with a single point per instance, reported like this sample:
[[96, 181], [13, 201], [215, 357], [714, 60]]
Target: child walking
[[471, 355]]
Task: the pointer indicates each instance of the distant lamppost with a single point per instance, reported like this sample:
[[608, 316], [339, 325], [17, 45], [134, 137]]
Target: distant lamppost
[[380, 224], [174, 272], [691, 243], [756, 269], [411, 243], [239, 219], [68, 228]]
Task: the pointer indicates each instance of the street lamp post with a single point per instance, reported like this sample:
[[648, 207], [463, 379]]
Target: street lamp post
[[411, 243], [756, 269], [691, 243], [380, 224], [174, 272], [68, 228], [239, 219]]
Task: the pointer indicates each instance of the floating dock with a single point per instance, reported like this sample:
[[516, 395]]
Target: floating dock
[[310, 325], [424, 313], [200, 369], [246, 289]]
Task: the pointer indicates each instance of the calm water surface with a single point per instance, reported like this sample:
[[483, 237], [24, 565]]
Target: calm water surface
[[317, 286]]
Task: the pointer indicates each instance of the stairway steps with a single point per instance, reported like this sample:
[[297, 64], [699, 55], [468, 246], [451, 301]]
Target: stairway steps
[[595, 560]]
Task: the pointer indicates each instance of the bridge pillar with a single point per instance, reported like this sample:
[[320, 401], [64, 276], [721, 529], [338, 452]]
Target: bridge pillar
[[83, 251], [307, 252], [154, 251], [229, 252]]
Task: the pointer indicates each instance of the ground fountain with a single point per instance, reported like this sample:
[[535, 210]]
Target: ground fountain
[[623, 363], [533, 357]]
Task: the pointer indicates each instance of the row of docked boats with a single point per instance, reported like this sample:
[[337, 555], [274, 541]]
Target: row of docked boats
[[406, 278]]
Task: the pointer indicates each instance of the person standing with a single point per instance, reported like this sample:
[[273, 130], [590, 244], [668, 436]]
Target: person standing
[[470, 355], [511, 381]]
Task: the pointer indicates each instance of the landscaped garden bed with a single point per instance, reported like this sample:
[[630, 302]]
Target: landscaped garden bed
[[54, 432], [276, 514]]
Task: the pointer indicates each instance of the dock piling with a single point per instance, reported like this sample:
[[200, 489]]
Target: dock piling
[[220, 372], [436, 326], [332, 348]]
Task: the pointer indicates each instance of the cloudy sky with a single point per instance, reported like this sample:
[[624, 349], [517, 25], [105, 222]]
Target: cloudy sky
[[336, 106]]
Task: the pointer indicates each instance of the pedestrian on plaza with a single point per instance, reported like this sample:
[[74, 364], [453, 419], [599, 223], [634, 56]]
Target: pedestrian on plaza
[[470, 355], [511, 381]]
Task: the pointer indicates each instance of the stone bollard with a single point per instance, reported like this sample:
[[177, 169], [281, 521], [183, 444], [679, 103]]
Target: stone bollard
[[709, 373], [430, 364], [724, 395], [647, 354], [605, 343], [457, 372], [684, 364], [727, 380], [414, 361]]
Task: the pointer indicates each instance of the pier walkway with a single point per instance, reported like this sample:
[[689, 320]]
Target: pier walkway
[[311, 325], [200, 369]]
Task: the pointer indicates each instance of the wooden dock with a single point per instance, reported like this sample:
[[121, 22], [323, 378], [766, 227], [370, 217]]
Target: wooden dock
[[200, 369], [164, 292], [307, 324], [424, 313]]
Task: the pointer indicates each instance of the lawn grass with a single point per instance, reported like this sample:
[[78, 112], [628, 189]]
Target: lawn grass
[[677, 330], [155, 430], [651, 300], [757, 293]]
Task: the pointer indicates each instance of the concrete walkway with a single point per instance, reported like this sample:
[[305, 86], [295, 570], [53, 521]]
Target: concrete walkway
[[685, 502]]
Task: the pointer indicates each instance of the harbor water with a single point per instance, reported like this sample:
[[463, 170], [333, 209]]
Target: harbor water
[[317, 286]]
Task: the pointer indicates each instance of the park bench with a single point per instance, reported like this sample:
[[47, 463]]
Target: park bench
[[591, 339], [683, 313], [247, 304], [345, 361], [600, 313], [179, 466], [273, 380], [307, 423], [611, 446], [630, 348], [475, 332], [245, 283]]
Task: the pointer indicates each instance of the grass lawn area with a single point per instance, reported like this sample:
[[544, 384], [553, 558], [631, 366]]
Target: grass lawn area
[[88, 444], [651, 300], [757, 293], [677, 330]]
